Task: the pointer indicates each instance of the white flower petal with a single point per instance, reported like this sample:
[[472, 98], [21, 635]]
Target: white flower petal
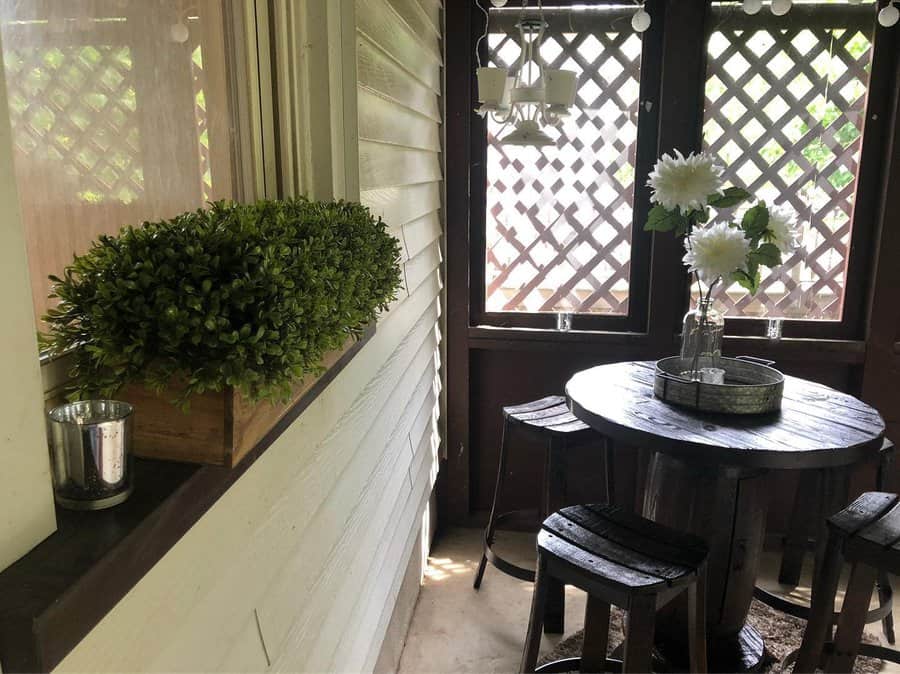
[[784, 228], [716, 251], [685, 182]]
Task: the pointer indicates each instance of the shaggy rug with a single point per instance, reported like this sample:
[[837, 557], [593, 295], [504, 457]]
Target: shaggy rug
[[782, 634]]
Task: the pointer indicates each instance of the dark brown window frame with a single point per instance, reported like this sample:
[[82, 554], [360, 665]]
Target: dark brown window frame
[[636, 318], [658, 292]]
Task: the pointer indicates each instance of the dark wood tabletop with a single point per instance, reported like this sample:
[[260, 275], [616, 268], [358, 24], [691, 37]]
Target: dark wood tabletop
[[817, 426]]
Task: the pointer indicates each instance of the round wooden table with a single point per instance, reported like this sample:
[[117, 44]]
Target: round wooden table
[[708, 476]]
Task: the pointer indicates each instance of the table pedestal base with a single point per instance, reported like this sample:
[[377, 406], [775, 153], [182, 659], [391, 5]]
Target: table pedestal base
[[742, 652], [726, 507]]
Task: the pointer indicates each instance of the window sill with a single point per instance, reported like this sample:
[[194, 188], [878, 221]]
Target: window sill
[[55, 595], [627, 345]]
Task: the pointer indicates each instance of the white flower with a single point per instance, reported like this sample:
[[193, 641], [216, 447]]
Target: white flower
[[685, 182], [785, 232], [717, 250]]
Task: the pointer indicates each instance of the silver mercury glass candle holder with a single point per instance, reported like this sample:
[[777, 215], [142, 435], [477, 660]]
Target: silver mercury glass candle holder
[[90, 453]]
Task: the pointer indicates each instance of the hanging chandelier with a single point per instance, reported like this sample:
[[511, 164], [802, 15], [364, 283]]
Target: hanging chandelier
[[531, 95]]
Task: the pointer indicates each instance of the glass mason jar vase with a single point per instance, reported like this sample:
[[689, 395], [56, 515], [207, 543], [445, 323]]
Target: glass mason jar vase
[[701, 337]]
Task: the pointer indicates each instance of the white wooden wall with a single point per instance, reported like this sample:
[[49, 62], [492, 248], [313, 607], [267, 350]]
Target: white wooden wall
[[298, 566], [26, 497]]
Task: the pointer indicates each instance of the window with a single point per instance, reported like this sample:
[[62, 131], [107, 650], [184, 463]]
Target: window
[[559, 230], [785, 103], [120, 112]]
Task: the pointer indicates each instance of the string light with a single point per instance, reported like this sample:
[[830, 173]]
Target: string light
[[752, 6], [889, 15], [641, 20], [781, 7]]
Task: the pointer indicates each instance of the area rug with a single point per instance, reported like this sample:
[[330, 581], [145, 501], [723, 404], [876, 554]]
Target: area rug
[[782, 634]]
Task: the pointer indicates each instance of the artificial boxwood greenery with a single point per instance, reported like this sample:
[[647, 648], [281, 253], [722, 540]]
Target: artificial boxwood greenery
[[243, 295]]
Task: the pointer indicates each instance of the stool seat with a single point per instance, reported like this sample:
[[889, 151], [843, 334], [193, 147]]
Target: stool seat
[[866, 534], [621, 548], [871, 529], [619, 559], [550, 414]]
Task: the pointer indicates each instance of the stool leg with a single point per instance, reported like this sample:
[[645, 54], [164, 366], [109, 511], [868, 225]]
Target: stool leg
[[825, 583], [697, 622], [596, 635], [798, 529], [536, 618], [853, 618], [639, 628], [492, 520], [885, 592], [886, 597], [554, 496]]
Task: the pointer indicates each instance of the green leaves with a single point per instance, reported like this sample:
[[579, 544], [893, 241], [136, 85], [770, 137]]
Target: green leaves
[[245, 295], [731, 197], [767, 254], [662, 220], [755, 222]]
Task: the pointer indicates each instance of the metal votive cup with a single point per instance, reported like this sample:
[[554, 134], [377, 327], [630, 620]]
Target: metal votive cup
[[90, 453]]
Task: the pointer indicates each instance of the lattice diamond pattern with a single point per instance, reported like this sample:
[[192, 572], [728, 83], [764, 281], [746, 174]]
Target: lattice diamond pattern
[[75, 106], [559, 219], [784, 111]]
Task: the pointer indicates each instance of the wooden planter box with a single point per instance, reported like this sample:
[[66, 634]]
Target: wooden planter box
[[221, 428]]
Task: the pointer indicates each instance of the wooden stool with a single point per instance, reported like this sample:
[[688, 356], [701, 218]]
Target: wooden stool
[[548, 419], [622, 559], [867, 535], [820, 494]]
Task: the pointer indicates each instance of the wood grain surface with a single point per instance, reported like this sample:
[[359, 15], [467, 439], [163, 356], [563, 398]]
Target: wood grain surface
[[817, 426]]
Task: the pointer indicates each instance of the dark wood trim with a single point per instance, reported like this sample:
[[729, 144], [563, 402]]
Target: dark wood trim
[[53, 596], [680, 126], [879, 384], [883, 84], [624, 345], [459, 83]]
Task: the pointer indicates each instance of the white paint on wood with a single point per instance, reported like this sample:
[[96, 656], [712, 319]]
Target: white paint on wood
[[26, 498], [403, 204], [391, 166], [377, 20], [379, 73], [382, 120]]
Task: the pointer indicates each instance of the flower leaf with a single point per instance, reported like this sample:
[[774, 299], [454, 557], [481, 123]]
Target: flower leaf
[[663, 220], [767, 254], [731, 197], [748, 279], [756, 222]]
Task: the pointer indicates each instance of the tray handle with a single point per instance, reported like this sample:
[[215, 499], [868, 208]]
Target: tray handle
[[666, 378], [758, 361]]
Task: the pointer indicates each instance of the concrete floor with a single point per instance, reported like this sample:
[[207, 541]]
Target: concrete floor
[[455, 629]]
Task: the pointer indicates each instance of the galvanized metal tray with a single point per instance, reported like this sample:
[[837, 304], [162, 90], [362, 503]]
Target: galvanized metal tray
[[751, 386]]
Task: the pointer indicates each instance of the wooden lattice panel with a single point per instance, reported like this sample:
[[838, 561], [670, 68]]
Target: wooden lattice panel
[[784, 112], [73, 115], [559, 219]]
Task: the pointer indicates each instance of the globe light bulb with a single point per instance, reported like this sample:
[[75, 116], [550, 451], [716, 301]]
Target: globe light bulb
[[498, 3], [752, 6], [179, 33], [889, 16], [781, 7], [640, 21]]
